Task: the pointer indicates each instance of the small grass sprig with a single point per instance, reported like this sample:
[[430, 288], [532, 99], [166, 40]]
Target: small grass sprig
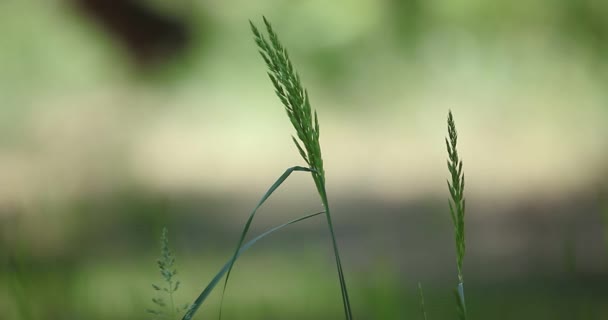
[[166, 265], [457, 207], [294, 96]]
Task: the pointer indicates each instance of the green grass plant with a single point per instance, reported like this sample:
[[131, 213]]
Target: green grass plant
[[457, 209], [166, 265], [296, 101]]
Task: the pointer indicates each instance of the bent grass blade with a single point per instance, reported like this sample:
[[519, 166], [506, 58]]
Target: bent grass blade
[[267, 195], [216, 279]]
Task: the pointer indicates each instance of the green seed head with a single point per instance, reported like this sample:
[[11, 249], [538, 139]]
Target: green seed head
[[293, 96]]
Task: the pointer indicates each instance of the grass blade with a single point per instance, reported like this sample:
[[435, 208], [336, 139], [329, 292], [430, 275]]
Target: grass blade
[[265, 197], [216, 279]]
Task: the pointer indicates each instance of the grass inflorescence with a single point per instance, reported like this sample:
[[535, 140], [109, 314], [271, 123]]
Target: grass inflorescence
[[294, 97], [166, 265], [457, 208]]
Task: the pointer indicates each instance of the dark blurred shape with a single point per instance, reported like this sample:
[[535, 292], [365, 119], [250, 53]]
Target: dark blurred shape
[[585, 21], [151, 36]]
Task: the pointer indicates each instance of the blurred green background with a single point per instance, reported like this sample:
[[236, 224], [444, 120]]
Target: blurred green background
[[120, 117]]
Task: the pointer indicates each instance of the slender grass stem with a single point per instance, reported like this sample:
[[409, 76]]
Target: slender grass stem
[[172, 300], [345, 299]]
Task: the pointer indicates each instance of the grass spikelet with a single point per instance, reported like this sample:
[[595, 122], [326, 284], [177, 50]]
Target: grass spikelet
[[457, 207]]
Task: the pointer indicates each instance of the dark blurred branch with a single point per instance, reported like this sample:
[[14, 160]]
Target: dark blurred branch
[[149, 35]]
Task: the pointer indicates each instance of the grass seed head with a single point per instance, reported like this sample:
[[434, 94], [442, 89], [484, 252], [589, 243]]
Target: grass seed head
[[456, 188], [293, 96], [166, 266]]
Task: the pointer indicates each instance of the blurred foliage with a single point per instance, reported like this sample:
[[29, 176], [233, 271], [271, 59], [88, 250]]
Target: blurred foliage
[[89, 254], [266, 288]]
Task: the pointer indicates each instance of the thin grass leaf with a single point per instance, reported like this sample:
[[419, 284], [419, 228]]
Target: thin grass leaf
[[265, 197], [216, 279]]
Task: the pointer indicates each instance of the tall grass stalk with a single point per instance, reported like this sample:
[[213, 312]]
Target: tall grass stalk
[[457, 208], [294, 97]]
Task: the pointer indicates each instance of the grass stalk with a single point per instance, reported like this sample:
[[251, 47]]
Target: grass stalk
[[457, 209], [295, 99]]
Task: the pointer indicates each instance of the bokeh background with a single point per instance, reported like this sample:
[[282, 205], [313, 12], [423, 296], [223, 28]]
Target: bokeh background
[[118, 118]]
